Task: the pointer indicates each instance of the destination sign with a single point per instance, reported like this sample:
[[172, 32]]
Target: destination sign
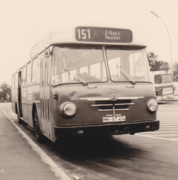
[[95, 34]]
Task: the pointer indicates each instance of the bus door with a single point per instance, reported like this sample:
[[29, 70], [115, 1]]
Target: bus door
[[19, 94], [44, 97]]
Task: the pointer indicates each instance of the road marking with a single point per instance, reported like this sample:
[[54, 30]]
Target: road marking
[[160, 132], [171, 139], [45, 158], [166, 135]]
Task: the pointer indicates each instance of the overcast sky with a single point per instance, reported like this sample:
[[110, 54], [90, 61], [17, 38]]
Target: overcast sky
[[24, 22]]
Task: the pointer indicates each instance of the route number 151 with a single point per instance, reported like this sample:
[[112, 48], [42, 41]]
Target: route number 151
[[83, 34]]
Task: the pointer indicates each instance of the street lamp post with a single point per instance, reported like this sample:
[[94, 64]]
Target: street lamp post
[[168, 34]]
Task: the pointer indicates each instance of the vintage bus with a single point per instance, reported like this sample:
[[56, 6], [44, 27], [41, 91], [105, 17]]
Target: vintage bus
[[86, 81], [163, 83]]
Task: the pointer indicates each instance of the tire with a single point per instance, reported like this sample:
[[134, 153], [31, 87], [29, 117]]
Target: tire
[[38, 133], [19, 120]]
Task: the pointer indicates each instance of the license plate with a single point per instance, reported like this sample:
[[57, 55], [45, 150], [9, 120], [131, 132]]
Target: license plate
[[167, 91], [114, 119]]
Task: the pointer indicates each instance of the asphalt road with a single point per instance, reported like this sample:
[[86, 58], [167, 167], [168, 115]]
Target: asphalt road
[[144, 156]]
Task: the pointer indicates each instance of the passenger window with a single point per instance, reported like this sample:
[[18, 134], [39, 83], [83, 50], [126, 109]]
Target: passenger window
[[35, 70], [24, 76], [16, 80], [29, 73], [56, 78]]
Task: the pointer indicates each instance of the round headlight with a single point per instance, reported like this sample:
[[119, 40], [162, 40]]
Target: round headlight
[[69, 109], [152, 105]]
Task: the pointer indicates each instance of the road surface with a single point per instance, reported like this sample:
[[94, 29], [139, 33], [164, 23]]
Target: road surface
[[143, 156]]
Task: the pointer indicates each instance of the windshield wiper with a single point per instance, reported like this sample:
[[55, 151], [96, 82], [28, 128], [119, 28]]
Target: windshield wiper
[[81, 80], [124, 73], [127, 76]]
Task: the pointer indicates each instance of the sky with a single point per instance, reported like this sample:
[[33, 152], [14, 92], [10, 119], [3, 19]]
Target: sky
[[25, 22]]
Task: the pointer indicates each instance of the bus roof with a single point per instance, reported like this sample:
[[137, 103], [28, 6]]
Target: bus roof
[[161, 72], [69, 37]]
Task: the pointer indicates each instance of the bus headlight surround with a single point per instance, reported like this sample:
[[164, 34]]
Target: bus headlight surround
[[152, 105], [68, 109]]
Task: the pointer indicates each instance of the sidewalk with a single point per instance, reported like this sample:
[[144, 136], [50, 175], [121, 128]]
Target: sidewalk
[[18, 161]]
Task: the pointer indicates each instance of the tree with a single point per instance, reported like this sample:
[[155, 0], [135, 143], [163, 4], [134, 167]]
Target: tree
[[152, 56], [6, 90], [175, 72], [156, 65]]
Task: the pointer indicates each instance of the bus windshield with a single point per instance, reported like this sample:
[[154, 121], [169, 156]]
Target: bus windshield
[[86, 64], [127, 65], [78, 64]]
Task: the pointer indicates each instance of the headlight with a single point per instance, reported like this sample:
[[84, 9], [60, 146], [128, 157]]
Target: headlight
[[68, 109], [152, 105]]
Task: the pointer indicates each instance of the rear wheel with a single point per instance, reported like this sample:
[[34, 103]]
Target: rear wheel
[[38, 133]]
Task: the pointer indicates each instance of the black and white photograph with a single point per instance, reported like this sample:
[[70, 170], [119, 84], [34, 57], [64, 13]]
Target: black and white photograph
[[88, 90]]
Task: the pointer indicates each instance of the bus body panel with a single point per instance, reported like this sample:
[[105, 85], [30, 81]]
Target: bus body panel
[[44, 117], [88, 114]]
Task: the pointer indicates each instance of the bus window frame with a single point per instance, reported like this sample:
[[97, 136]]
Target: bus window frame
[[37, 69], [23, 84], [74, 45], [28, 83]]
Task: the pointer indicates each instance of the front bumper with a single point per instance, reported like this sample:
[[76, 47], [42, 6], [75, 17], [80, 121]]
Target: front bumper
[[106, 129]]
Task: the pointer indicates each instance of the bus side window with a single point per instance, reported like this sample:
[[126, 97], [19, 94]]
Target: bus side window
[[16, 80], [29, 73], [24, 76], [12, 83], [56, 78], [35, 70]]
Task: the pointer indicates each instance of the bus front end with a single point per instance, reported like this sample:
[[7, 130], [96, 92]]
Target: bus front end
[[101, 90]]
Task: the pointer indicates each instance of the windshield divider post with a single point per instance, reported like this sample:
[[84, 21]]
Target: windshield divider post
[[106, 62]]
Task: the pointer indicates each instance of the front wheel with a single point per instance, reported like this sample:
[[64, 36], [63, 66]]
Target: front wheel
[[38, 133]]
